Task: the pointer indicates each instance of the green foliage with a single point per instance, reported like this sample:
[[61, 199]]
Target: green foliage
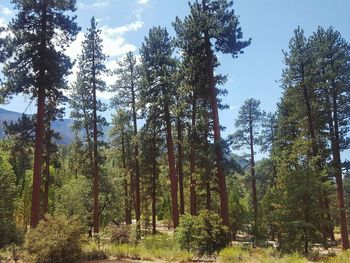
[[73, 199], [238, 204], [204, 233], [187, 232], [8, 230], [291, 206], [55, 240], [42, 47]]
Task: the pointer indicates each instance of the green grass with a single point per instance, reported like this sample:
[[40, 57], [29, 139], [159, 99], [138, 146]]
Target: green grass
[[343, 257], [249, 255], [162, 247]]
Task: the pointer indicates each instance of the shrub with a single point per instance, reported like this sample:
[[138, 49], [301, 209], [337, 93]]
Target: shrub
[[120, 234], [187, 232], [55, 240], [160, 241], [204, 233], [9, 233]]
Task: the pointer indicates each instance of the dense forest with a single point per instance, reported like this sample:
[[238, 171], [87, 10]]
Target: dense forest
[[165, 177]]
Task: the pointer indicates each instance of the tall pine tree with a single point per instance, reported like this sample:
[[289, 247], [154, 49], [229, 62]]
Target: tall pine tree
[[213, 24], [41, 31], [86, 105]]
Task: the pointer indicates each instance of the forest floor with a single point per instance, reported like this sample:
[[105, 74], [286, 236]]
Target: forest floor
[[118, 261]]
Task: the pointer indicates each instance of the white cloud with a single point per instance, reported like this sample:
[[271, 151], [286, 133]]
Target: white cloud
[[115, 45], [142, 2], [5, 11], [3, 22], [233, 107], [133, 26], [98, 3]]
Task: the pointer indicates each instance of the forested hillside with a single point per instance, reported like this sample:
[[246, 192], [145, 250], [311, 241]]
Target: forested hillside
[[159, 181]]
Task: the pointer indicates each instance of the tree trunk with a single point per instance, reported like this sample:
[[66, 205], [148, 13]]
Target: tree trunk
[[252, 172], [96, 219], [314, 148], [172, 170], [193, 194], [335, 143], [39, 129], [47, 182], [208, 195], [217, 136], [126, 193], [154, 185], [132, 201], [137, 166], [179, 166]]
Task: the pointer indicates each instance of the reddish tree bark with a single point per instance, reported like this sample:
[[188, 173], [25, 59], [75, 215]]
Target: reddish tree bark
[[39, 129], [47, 183], [335, 143], [172, 169], [193, 194], [179, 166], [217, 136]]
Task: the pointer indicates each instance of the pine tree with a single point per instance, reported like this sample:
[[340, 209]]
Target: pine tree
[[39, 65], [214, 21], [127, 88], [122, 134], [248, 124], [86, 105], [331, 58], [158, 91], [151, 140]]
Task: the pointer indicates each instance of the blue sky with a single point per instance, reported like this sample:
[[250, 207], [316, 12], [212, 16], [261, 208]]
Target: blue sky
[[255, 73]]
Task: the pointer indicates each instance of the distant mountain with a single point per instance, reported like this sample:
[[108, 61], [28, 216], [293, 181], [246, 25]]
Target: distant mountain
[[61, 126]]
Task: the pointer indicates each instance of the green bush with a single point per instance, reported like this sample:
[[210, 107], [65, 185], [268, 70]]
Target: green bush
[[55, 240], [120, 234], [9, 233], [187, 232], [160, 241], [204, 233]]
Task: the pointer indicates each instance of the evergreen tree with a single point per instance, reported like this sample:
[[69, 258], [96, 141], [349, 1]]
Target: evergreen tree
[[8, 231], [248, 124], [86, 105], [158, 91], [331, 59], [214, 21], [151, 140], [127, 88], [122, 135], [42, 30]]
